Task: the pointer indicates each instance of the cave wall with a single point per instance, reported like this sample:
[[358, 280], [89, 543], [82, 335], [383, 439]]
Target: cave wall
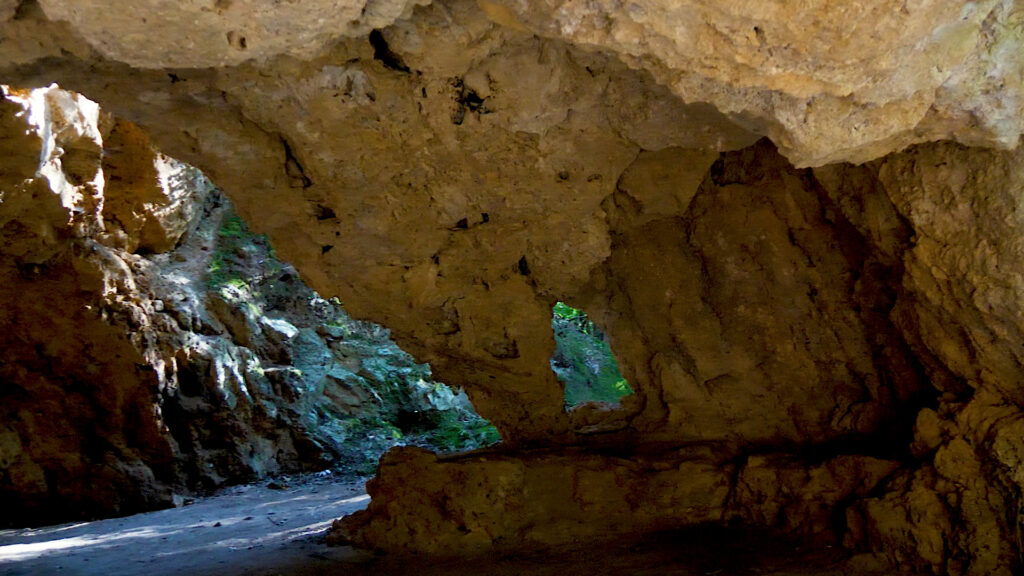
[[465, 165], [962, 499], [79, 430]]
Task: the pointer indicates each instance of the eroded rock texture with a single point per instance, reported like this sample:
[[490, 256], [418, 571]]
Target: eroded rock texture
[[834, 351]]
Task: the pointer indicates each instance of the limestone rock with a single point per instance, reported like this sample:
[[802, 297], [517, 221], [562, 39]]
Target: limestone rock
[[151, 200], [475, 503], [787, 494], [200, 33], [846, 81], [486, 501], [958, 310], [58, 346], [7, 9]]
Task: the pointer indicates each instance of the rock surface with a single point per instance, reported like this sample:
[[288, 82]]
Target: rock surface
[[843, 81], [458, 170], [543, 500]]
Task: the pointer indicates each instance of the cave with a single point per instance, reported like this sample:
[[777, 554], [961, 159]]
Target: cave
[[157, 349], [797, 227]]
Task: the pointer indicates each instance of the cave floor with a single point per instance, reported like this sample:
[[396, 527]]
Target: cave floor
[[252, 529], [262, 531]]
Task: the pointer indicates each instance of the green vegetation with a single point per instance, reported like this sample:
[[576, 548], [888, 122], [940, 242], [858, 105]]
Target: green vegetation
[[366, 437], [232, 226], [238, 252], [583, 361], [460, 430]]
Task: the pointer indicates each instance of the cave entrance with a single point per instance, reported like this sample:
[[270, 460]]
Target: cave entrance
[[351, 392], [583, 359], [361, 393], [155, 349]]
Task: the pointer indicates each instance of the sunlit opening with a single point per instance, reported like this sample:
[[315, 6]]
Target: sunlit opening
[[583, 359]]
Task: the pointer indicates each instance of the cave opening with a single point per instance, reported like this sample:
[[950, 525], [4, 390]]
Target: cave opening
[[157, 350], [583, 359], [374, 395]]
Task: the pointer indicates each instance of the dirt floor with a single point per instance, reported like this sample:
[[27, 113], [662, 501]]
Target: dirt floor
[[277, 528]]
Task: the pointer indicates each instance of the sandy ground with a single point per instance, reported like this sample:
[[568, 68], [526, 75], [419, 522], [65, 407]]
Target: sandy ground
[[245, 530], [262, 531]]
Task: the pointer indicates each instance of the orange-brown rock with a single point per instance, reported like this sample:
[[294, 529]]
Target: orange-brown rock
[[489, 500], [77, 424]]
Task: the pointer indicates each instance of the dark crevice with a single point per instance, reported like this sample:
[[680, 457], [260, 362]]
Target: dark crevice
[[293, 169], [466, 100], [875, 287], [523, 266], [385, 55], [325, 213], [29, 10]]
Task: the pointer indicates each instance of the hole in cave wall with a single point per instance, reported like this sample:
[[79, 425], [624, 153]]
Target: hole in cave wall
[[583, 359], [375, 395]]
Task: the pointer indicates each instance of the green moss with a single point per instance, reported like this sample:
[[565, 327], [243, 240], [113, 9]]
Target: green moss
[[232, 226], [565, 312], [457, 431], [367, 437]]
